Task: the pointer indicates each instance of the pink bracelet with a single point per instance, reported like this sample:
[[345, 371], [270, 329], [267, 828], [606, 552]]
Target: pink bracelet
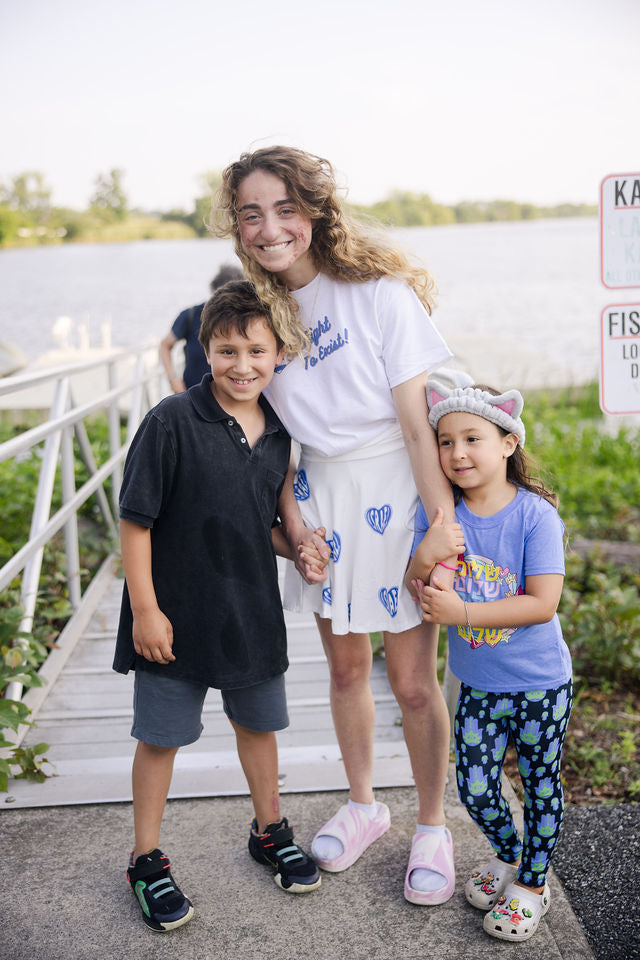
[[447, 567]]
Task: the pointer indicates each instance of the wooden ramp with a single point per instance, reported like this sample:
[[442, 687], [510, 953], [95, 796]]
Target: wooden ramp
[[84, 714]]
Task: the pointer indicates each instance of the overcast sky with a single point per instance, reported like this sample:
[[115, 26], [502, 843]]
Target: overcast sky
[[532, 100]]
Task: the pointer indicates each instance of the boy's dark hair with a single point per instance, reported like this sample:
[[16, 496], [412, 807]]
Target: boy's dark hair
[[233, 307]]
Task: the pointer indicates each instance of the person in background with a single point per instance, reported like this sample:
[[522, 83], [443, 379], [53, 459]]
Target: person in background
[[187, 327]]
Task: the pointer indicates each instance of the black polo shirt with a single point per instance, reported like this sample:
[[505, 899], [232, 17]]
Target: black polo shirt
[[210, 501]]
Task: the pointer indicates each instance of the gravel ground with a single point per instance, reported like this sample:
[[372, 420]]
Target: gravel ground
[[598, 861]]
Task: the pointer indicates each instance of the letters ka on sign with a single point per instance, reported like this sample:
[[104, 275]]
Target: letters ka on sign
[[620, 230]]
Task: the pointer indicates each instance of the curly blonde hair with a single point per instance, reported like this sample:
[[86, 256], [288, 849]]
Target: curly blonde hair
[[341, 247]]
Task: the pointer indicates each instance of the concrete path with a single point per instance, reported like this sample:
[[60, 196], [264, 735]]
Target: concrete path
[[62, 871], [65, 896]]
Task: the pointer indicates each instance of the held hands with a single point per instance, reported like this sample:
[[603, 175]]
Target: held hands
[[441, 605], [313, 555], [153, 636]]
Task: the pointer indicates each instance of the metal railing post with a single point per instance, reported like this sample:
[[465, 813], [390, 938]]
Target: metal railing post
[[71, 526], [113, 414]]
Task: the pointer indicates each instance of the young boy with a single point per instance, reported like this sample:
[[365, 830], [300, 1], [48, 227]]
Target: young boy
[[201, 605]]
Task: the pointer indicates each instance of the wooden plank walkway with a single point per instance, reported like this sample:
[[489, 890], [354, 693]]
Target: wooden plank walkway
[[85, 716]]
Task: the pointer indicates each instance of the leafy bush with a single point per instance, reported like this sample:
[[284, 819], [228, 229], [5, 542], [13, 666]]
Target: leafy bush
[[595, 474], [18, 664], [600, 613]]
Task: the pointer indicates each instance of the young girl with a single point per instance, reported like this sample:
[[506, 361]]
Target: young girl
[[505, 643], [353, 313]]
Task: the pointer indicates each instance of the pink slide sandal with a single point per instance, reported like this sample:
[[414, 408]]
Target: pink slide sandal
[[431, 851], [356, 831]]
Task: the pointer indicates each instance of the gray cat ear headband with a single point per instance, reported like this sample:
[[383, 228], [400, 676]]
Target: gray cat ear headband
[[503, 410]]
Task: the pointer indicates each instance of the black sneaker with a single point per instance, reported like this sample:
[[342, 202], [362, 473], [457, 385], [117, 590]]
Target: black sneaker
[[163, 904], [296, 872]]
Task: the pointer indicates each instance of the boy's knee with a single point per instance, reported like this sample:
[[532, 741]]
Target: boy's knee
[[154, 749]]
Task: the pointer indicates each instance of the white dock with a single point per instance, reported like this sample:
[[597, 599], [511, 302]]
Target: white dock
[[84, 714]]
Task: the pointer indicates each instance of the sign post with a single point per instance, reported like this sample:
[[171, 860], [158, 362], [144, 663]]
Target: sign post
[[620, 268]]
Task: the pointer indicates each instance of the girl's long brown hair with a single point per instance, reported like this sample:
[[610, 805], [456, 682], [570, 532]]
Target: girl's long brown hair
[[341, 247]]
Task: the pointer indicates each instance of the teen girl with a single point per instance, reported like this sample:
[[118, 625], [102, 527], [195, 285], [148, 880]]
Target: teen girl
[[505, 644], [354, 316]]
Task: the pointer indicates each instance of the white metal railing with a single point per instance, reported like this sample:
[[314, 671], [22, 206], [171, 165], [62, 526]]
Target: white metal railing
[[130, 380]]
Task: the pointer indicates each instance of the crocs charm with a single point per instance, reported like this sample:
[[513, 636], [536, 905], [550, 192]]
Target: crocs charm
[[378, 518], [301, 486], [389, 599], [335, 545], [486, 884], [326, 595]]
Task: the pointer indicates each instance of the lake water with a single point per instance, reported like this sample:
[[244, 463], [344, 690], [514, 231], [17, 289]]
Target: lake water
[[519, 303]]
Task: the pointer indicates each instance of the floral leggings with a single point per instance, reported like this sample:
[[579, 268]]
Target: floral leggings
[[537, 720]]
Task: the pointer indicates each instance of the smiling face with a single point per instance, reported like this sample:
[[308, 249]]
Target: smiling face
[[242, 366], [273, 232], [473, 451]]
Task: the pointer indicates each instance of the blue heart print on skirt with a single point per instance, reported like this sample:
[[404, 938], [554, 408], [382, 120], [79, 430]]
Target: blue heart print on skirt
[[335, 545], [301, 486], [389, 599], [378, 518], [326, 595]]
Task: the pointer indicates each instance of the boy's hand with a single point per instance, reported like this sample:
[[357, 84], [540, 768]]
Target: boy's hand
[[153, 636], [442, 606], [313, 556]]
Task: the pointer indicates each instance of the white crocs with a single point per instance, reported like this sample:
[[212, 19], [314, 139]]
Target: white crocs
[[517, 913], [485, 885]]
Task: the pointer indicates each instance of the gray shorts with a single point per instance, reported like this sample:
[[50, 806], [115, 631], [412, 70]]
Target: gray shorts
[[167, 711]]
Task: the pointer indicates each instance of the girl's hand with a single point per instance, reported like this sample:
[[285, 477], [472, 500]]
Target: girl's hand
[[418, 586], [443, 540], [153, 636], [442, 606]]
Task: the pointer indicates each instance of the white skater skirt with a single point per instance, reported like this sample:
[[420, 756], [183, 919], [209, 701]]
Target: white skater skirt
[[367, 501]]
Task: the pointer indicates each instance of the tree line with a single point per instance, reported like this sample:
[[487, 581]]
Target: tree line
[[28, 216]]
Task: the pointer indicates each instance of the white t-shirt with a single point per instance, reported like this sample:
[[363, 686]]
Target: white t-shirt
[[366, 338]]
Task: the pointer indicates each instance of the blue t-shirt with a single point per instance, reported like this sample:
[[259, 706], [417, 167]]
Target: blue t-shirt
[[523, 539], [186, 327]]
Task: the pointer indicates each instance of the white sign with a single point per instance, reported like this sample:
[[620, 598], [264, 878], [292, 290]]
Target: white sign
[[620, 358], [620, 230]]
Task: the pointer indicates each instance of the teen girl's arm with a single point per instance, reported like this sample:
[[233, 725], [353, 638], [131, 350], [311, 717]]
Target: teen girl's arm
[[309, 551], [438, 543], [420, 440], [537, 604], [152, 631]]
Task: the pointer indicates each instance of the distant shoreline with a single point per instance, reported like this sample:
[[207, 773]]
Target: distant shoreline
[[136, 228]]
